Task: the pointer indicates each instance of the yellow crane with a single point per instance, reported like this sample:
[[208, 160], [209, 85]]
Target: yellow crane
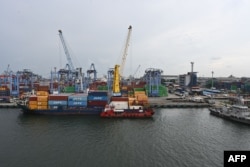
[[118, 71], [125, 52], [116, 81]]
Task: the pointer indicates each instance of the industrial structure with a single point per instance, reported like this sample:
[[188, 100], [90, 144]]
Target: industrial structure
[[15, 84], [153, 79], [91, 71], [188, 80], [70, 78]]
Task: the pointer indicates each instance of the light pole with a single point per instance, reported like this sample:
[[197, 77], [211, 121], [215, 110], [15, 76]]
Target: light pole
[[212, 80]]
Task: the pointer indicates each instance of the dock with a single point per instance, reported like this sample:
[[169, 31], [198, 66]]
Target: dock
[[175, 102], [8, 105]]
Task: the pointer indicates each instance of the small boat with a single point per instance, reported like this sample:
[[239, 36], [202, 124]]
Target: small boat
[[140, 112], [126, 107]]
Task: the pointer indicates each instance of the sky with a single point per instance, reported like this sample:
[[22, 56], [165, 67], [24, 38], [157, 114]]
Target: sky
[[166, 35]]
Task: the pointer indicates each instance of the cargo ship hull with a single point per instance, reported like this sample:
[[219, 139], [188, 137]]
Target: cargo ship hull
[[62, 111]]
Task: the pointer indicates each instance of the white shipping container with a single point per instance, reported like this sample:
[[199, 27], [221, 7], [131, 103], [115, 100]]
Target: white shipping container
[[119, 104]]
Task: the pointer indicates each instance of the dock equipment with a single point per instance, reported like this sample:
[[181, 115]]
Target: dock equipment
[[153, 80]]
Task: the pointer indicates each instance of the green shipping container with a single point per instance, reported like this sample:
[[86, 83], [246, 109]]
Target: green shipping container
[[102, 87], [139, 89], [233, 87], [69, 89], [162, 90]]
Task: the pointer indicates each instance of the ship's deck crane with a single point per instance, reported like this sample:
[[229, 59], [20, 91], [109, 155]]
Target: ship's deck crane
[[118, 70], [70, 64], [125, 52]]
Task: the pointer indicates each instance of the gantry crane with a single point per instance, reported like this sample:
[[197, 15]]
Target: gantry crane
[[72, 75], [70, 64], [91, 70]]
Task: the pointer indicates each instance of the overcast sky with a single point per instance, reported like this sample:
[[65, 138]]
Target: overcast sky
[[166, 34]]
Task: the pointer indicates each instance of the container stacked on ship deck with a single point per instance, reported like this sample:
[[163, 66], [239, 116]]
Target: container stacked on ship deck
[[56, 100], [39, 101], [32, 102], [42, 100], [97, 98], [77, 100]]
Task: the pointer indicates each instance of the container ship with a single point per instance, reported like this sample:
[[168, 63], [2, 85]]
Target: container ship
[[43, 103]]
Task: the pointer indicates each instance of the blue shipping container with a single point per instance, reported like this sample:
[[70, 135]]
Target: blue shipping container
[[57, 103], [97, 98], [77, 98], [98, 93], [77, 103]]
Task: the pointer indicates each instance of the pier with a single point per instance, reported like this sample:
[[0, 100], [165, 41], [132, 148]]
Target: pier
[[173, 101], [8, 105]]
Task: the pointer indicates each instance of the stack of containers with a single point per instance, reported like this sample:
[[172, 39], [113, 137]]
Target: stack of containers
[[132, 101], [141, 97], [77, 100], [42, 100], [97, 98], [33, 102], [56, 100], [39, 101], [5, 93]]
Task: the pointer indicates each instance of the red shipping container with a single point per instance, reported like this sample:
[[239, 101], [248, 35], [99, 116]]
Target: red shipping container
[[43, 88], [58, 97], [33, 98], [119, 98], [97, 103]]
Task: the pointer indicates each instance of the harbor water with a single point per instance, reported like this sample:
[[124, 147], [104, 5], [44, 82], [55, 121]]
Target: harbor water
[[173, 137]]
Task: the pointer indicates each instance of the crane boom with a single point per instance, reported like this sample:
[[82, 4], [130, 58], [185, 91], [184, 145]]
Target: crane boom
[[71, 66], [125, 50]]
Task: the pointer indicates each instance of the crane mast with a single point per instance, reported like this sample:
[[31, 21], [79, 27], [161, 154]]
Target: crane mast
[[125, 52], [116, 82], [71, 66]]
